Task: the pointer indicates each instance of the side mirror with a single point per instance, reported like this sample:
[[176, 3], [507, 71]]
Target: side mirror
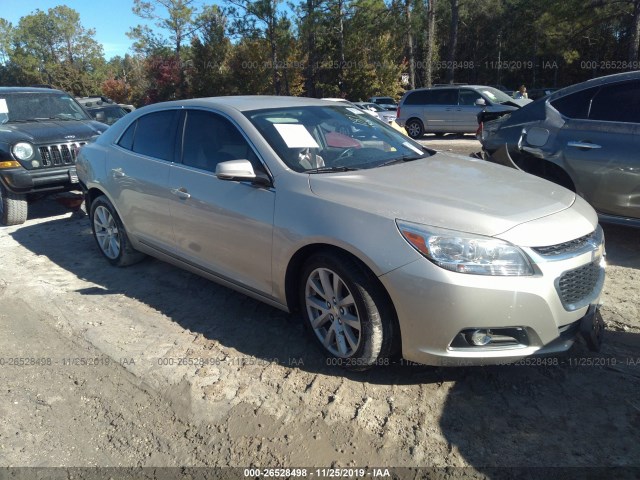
[[240, 171], [481, 102]]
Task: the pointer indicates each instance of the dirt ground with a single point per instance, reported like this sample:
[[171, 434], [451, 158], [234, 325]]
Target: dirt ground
[[151, 366]]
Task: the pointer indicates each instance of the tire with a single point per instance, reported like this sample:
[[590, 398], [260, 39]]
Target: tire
[[354, 323], [414, 128], [13, 207], [110, 234]]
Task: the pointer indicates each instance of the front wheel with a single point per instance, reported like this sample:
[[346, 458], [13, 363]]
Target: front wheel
[[347, 311], [13, 207], [110, 234], [414, 128]]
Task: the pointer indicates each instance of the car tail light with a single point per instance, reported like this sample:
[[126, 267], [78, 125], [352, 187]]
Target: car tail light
[[398, 113], [479, 131]]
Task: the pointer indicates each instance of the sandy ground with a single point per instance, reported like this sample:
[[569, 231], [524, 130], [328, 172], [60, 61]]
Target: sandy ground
[[150, 366]]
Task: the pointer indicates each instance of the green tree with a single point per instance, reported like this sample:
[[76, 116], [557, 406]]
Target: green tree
[[210, 50], [54, 48]]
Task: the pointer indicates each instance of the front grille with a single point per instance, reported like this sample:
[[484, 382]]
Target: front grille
[[566, 247], [60, 154], [576, 286]]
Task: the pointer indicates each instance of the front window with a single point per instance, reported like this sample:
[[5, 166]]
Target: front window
[[38, 106], [318, 138], [494, 95]]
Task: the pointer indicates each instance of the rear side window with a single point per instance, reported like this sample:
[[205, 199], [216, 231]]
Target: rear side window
[[576, 105], [433, 97], [420, 97], [444, 97], [155, 135], [619, 102]]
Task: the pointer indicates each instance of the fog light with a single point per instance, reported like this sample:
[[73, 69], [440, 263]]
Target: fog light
[[480, 337]]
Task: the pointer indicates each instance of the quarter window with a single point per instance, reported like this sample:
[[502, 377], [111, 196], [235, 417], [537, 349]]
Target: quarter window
[[126, 140]]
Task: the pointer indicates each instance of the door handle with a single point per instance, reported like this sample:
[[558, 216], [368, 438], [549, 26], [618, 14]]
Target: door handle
[[181, 193], [117, 173], [584, 145]]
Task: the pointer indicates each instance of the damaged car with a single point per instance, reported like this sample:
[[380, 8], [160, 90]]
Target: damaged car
[[584, 137]]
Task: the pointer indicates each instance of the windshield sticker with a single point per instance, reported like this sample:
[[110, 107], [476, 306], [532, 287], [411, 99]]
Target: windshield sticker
[[412, 147], [356, 111], [296, 136], [3, 106]]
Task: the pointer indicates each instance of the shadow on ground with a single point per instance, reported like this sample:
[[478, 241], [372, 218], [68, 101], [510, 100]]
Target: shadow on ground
[[578, 410]]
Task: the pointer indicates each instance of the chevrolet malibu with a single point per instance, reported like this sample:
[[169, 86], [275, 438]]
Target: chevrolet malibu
[[385, 248]]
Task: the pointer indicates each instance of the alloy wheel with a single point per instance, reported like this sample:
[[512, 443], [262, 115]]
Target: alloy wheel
[[333, 313]]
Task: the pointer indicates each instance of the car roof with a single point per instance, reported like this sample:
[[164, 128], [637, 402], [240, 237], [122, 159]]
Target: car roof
[[594, 82], [28, 90], [247, 102]]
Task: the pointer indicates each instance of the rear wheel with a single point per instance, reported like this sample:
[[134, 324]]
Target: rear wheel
[[414, 128], [347, 311], [13, 207], [111, 235]]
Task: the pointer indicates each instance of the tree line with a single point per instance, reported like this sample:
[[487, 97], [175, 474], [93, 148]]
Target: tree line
[[325, 48]]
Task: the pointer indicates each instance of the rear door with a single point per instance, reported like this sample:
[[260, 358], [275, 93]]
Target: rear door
[[223, 227], [600, 146], [441, 109], [138, 177]]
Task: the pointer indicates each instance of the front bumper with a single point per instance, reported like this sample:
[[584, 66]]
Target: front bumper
[[22, 181], [434, 306]]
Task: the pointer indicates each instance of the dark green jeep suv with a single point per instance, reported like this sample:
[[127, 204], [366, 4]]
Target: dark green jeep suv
[[41, 131]]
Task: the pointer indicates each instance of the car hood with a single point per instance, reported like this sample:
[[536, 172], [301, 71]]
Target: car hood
[[447, 191], [51, 131]]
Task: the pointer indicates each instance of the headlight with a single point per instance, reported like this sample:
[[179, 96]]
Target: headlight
[[23, 151], [464, 252]]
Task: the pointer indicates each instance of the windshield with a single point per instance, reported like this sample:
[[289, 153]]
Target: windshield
[[319, 139], [108, 115], [495, 95], [385, 100], [374, 106], [34, 106]]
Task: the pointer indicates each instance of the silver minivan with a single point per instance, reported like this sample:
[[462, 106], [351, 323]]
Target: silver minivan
[[451, 109]]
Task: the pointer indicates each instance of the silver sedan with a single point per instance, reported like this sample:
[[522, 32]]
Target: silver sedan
[[385, 248]]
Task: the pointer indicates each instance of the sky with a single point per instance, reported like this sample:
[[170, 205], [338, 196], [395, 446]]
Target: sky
[[111, 19]]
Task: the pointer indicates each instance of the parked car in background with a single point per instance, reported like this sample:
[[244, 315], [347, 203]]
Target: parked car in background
[[585, 137], [41, 131], [382, 246], [385, 102], [385, 115], [102, 109], [451, 109]]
